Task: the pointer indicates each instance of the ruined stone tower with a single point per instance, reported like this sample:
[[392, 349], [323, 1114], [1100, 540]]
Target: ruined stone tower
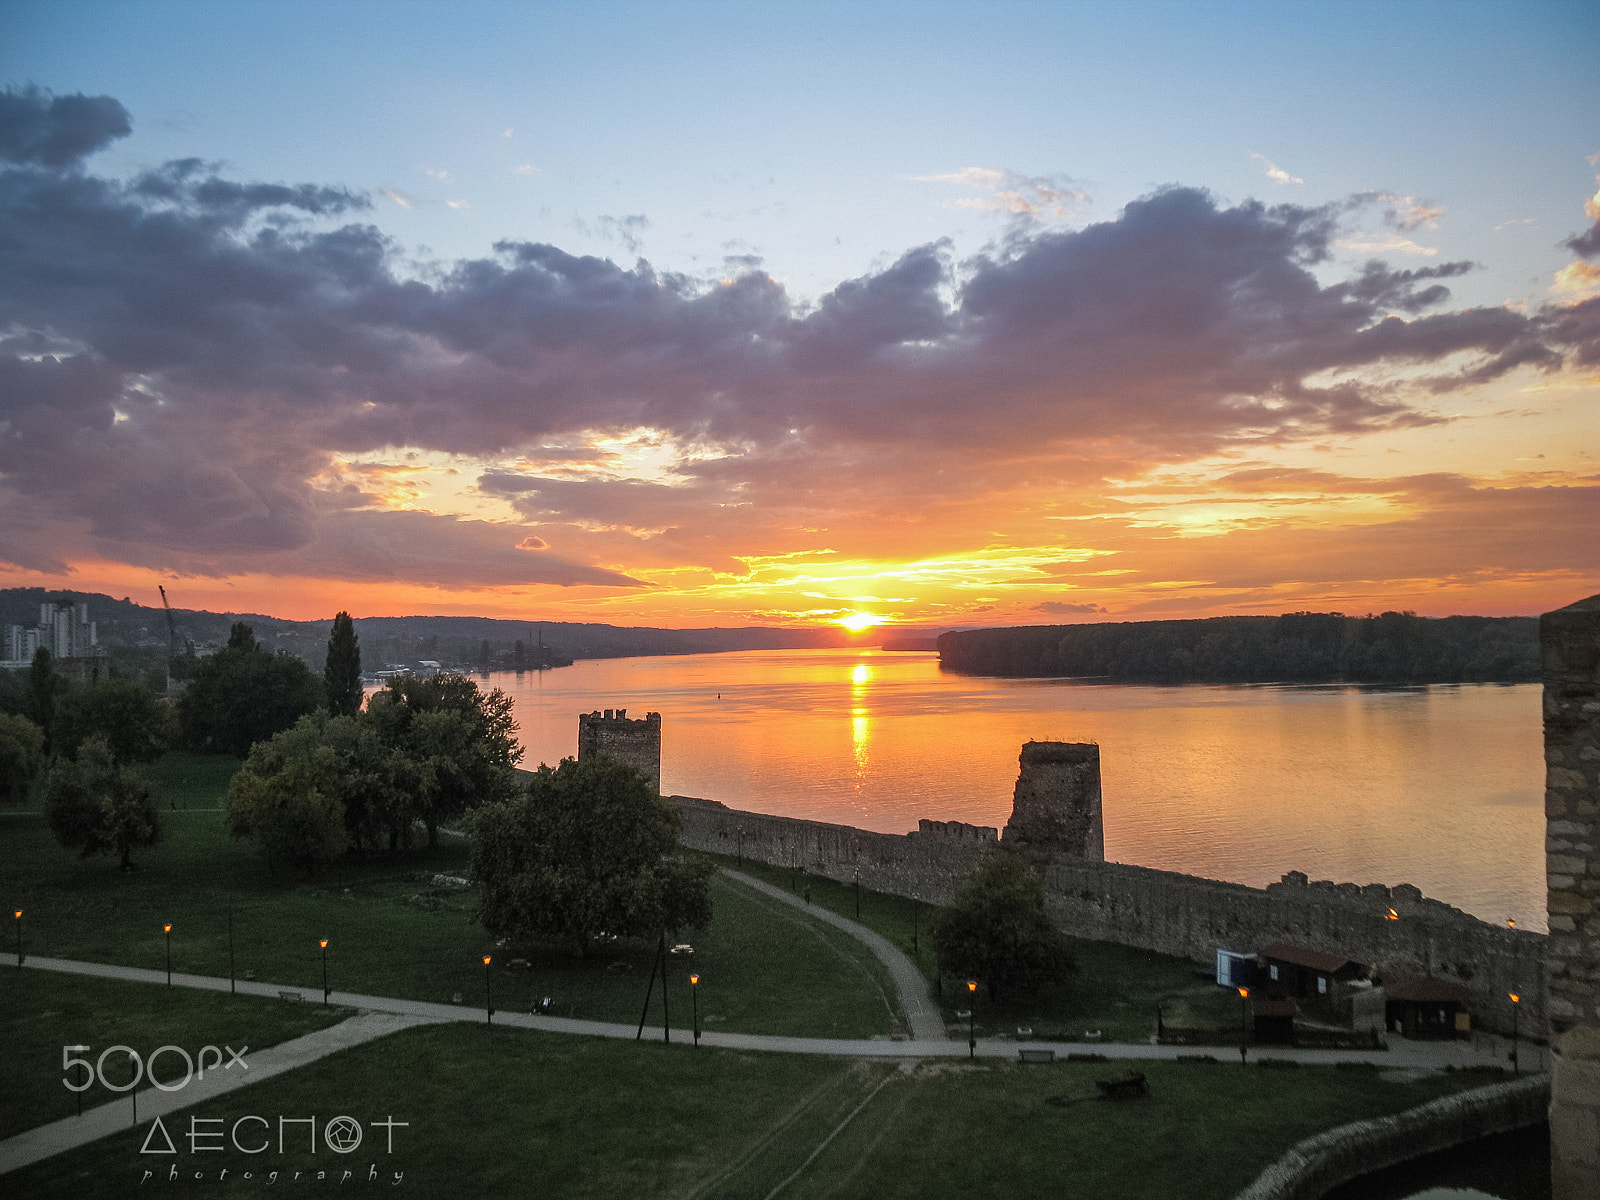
[[634, 742], [1056, 807]]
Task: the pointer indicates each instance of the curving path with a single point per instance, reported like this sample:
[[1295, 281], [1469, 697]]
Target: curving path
[[922, 1014]]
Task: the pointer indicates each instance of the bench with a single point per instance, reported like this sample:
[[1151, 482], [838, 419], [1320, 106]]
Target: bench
[[1128, 1087], [1036, 1056], [296, 997]]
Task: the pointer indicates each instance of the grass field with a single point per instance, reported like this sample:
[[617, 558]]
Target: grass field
[[393, 931], [499, 1112], [40, 1012], [1115, 989]]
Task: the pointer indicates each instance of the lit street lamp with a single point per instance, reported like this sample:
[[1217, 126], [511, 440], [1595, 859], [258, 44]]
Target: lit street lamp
[[324, 945], [18, 916], [694, 996], [167, 929], [972, 1018], [1516, 1007], [488, 998], [1244, 1024]]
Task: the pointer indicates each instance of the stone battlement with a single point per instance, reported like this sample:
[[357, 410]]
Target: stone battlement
[[636, 742]]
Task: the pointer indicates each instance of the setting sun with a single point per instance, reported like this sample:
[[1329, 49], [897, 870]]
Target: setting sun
[[858, 622]]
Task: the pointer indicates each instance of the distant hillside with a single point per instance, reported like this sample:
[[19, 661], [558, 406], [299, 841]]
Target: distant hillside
[[1294, 648], [122, 623]]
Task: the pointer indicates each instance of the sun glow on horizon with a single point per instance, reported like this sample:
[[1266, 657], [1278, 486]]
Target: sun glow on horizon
[[859, 622]]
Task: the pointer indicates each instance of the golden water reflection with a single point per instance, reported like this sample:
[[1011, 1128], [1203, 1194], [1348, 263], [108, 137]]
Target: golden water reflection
[[1440, 787]]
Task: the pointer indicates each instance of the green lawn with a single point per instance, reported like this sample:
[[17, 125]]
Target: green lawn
[[1114, 990], [500, 1112], [41, 1011], [393, 931]]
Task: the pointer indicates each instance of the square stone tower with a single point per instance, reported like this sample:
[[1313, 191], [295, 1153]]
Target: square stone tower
[[1569, 643], [1056, 805], [635, 742]]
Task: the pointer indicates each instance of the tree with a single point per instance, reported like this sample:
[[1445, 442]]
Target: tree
[[587, 848], [461, 742], [96, 806], [294, 814], [42, 688], [342, 676], [997, 931], [244, 694], [21, 756], [124, 712]]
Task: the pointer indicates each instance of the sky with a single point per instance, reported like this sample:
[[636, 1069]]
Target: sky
[[931, 315]]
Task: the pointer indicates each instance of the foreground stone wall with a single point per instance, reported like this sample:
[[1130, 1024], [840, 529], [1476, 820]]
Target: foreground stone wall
[[1319, 1164], [1168, 912], [1569, 641]]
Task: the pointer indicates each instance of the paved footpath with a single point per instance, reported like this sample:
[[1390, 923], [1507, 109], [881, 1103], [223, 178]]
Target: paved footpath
[[106, 1119], [922, 1014], [383, 1015]]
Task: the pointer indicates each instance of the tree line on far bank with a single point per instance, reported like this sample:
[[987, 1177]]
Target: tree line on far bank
[[1303, 647]]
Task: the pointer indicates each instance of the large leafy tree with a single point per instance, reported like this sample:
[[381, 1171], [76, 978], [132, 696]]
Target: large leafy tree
[[587, 848], [372, 786], [21, 756], [461, 742], [342, 675], [293, 812], [124, 712], [244, 694], [997, 931], [96, 806]]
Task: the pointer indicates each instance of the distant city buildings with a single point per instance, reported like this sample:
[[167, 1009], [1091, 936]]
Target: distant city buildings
[[63, 629]]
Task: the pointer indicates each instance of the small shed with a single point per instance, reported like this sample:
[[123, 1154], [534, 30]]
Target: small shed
[[1292, 972], [1273, 1022], [1426, 1007]]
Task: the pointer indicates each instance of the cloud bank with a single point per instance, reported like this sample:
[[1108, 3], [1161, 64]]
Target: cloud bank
[[183, 357]]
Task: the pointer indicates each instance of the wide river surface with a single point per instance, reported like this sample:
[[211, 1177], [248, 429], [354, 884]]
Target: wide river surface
[[1436, 786]]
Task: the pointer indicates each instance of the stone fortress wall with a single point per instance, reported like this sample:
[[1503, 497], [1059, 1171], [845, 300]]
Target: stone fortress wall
[[1057, 822], [636, 741]]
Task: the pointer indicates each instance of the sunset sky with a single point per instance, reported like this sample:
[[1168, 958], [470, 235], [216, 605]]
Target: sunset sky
[[670, 314]]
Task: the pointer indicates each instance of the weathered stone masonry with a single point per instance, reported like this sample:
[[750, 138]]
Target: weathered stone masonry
[[1569, 641], [1165, 911], [635, 742]]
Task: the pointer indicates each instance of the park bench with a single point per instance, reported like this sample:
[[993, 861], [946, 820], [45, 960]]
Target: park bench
[[1127, 1087], [1036, 1055], [296, 997]]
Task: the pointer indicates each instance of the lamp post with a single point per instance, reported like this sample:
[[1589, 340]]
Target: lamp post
[[916, 912], [858, 893], [1516, 1007], [972, 1018], [488, 997], [694, 997], [232, 990], [167, 929], [1244, 1024], [18, 916], [324, 945]]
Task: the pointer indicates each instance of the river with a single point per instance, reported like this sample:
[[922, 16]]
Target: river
[[1437, 786]]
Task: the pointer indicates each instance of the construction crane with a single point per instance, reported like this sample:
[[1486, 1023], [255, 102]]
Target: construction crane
[[172, 624]]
